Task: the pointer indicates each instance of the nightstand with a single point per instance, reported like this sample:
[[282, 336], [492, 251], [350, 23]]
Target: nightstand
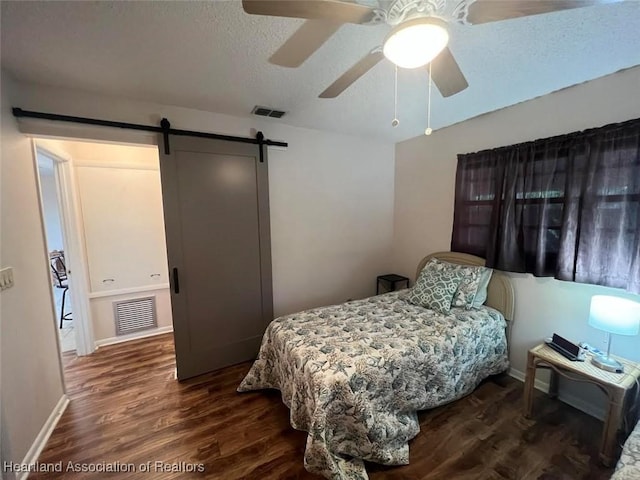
[[390, 283], [616, 386]]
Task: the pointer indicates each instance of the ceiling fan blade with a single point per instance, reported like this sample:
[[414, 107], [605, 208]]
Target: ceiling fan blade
[[446, 74], [485, 11], [353, 74], [306, 40], [336, 11]]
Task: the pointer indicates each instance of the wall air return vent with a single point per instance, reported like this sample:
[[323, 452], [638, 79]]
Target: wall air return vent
[[267, 112], [135, 315]]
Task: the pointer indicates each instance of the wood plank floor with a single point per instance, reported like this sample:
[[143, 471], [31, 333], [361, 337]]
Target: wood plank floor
[[127, 407]]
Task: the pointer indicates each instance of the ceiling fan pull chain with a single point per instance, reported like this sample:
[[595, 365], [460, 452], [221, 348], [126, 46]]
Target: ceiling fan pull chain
[[429, 130], [395, 122]]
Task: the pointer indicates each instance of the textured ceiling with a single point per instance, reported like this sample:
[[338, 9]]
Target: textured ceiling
[[212, 56]]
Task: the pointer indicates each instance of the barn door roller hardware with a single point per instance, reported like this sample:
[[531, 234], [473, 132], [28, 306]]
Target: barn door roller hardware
[[164, 128]]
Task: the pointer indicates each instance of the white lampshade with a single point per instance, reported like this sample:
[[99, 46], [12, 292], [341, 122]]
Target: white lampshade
[[416, 42], [614, 315]]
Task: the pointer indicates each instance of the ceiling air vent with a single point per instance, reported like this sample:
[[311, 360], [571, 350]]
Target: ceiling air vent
[[267, 112]]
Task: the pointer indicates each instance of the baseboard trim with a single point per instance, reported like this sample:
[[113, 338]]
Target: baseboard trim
[[43, 436], [575, 402], [539, 385], [133, 336]]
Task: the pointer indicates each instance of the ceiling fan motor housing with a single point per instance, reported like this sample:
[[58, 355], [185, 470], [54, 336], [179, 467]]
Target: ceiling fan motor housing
[[395, 12]]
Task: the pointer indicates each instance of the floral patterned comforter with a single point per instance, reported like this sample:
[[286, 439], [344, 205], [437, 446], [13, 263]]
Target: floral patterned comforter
[[355, 374], [628, 467]]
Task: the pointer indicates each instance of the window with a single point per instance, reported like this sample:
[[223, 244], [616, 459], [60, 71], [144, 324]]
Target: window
[[567, 206]]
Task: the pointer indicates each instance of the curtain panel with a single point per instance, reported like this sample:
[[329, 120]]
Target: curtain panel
[[566, 206]]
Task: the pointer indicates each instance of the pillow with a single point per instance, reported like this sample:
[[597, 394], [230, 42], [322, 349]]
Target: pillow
[[434, 289], [481, 295], [472, 292]]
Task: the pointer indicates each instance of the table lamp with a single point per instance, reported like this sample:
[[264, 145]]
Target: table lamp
[[613, 315]]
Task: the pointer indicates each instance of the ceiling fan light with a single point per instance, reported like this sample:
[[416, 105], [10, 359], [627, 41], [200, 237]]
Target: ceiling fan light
[[416, 42]]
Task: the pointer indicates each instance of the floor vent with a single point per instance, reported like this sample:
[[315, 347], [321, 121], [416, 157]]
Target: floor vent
[[267, 112], [135, 315]]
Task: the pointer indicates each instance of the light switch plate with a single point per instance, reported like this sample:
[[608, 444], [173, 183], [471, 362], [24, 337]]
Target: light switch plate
[[6, 278]]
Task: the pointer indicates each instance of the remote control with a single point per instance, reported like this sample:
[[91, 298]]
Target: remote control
[[590, 348]]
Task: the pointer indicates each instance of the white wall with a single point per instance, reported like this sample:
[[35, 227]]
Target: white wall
[[103, 320], [50, 206], [123, 227], [331, 196], [122, 219], [331, 199], [424, 197], [30, 367]]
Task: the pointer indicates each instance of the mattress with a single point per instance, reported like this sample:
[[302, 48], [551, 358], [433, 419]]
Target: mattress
[[354, 375]]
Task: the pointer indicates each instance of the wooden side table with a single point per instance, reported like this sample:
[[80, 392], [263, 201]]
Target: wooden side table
[[614, 385]]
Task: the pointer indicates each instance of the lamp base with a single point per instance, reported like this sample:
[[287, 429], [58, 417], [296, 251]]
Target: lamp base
[[607, 363]]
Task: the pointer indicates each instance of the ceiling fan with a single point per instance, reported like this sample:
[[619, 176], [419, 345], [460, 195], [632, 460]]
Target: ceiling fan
[[419, 35]]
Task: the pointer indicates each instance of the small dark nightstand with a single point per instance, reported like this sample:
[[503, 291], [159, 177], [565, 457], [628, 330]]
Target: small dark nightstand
[[390, 283]]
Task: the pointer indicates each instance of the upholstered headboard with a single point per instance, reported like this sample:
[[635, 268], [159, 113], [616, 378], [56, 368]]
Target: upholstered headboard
[[500, 291]]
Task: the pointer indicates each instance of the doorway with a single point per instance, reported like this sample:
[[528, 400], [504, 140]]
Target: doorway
[[114, 250], [243, 174], [63, 301]]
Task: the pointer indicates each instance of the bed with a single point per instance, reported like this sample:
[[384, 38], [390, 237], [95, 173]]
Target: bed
[[354, 375], [628, 467]]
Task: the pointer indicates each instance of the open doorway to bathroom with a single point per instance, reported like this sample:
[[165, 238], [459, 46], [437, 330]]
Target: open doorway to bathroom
[[63, 301]]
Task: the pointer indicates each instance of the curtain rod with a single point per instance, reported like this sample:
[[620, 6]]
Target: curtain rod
[[164, 128], [565, 136]]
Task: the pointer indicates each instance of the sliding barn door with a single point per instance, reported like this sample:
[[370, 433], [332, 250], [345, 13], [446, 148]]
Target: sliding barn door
[[216, 208]]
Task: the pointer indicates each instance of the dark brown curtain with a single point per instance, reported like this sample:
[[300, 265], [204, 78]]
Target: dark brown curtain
[[566, 206]]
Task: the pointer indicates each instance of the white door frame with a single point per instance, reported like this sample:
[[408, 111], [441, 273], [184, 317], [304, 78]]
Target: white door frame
[[74, 248]]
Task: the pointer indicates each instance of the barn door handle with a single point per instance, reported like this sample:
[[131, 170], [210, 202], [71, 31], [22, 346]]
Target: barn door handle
[[176, 281]]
